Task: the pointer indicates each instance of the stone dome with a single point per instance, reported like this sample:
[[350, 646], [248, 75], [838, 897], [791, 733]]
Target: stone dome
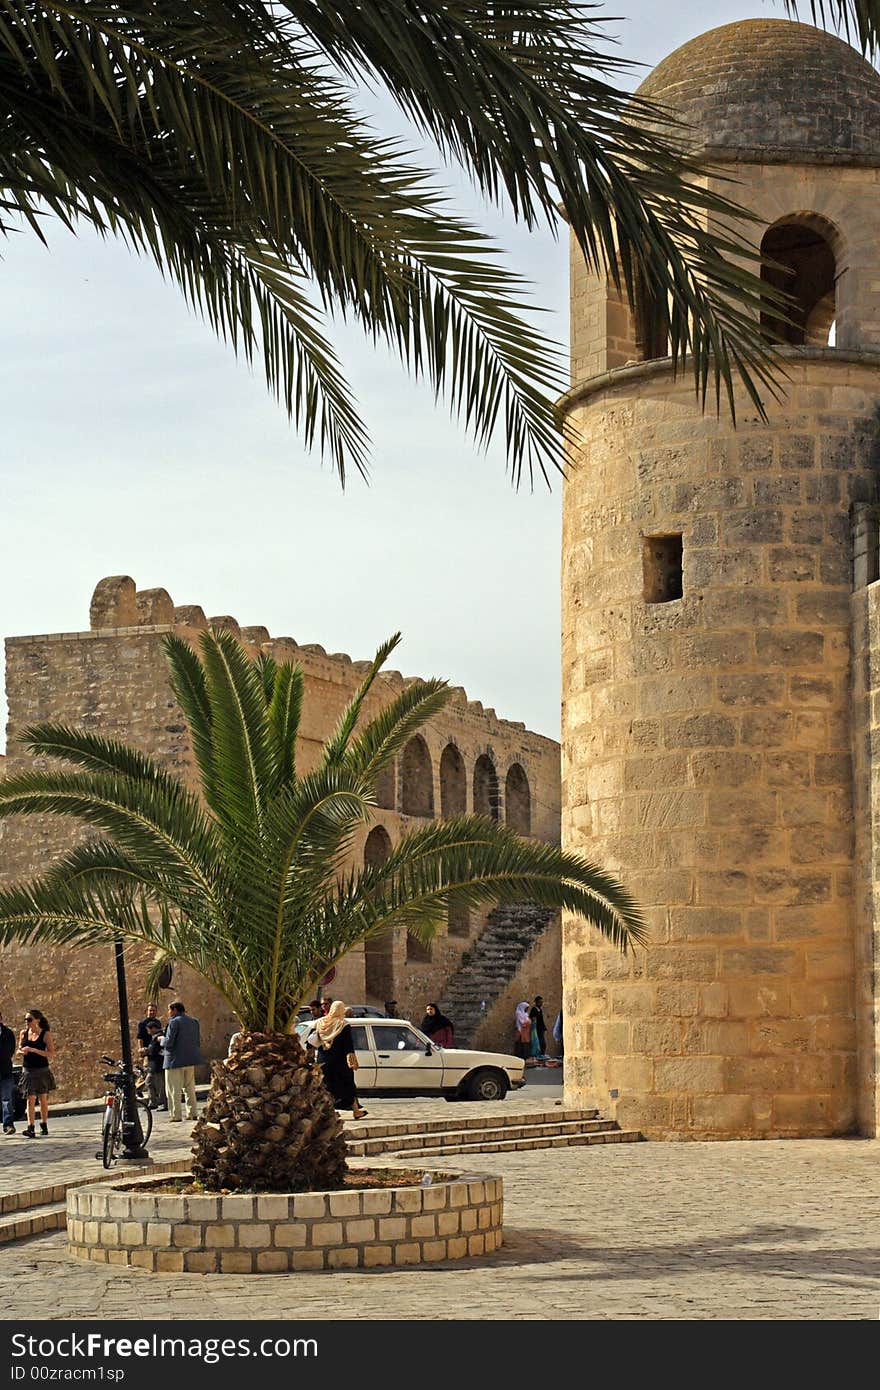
[[771, 90]]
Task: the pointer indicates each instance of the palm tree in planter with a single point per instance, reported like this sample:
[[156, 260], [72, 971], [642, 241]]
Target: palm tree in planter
[[248, 883]]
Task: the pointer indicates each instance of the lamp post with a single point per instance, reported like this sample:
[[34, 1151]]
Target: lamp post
[[132, 1135]]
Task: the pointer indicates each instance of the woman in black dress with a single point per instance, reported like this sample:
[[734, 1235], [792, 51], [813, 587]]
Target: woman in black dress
[[37, 1050], [337, 1045]]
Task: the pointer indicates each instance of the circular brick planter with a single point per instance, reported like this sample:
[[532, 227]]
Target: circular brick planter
[[453, 1218]]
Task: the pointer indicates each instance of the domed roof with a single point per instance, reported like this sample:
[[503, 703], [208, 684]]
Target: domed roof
[[772, 90]]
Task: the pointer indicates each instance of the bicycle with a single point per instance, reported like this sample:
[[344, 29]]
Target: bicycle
[[114, 1114]]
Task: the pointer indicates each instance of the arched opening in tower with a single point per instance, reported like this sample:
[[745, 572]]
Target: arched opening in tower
[[518, 801], [650, 319], [487, 802], [453, 783], [417, 790], [378, 949], [803, 267]]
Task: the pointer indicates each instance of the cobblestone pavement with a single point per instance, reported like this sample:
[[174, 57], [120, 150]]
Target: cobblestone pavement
[[68, 1152], [731, 1230]]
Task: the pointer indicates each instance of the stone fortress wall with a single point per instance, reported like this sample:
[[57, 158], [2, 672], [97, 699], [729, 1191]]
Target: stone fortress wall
[[718, 674], [113, 678]]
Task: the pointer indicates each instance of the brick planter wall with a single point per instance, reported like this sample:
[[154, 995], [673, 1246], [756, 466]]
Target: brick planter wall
[[456, 1217]]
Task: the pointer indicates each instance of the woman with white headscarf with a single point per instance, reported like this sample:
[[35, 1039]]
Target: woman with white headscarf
[[523, 1025], [337, 1050]]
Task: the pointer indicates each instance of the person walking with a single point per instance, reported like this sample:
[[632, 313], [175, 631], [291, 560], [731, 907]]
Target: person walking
[[391, 1008], [437, 1026], [7, 1077], [337, 1054], [523, 1027], [558, 1033], [37, 1049], [182, 1056], [539, 1027], [154, 1058]]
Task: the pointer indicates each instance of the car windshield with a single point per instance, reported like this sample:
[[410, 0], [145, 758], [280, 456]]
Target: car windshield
[[398, 1037]]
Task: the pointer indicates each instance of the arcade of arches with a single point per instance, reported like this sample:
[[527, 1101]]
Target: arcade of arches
[[416, 791]]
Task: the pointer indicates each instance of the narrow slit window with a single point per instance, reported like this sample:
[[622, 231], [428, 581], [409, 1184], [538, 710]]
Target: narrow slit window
[[661, 560]]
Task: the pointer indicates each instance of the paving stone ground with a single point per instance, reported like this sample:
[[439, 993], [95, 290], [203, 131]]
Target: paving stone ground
[[692, 1231]]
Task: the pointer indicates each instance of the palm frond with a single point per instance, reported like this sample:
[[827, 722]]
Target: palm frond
[[337, 745], [96, 754], [223, 141], [166, 831], [190, 686], [857, 20], [284, 713], [252, 890], [392, 728], [479, 861], [241, 743]]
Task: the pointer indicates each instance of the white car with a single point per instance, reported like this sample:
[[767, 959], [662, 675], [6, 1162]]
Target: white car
[[396, 1059]]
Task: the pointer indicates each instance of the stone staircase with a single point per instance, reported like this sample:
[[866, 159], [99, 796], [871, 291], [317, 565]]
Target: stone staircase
[[32, 1211], [491, 964], [481, 1134]]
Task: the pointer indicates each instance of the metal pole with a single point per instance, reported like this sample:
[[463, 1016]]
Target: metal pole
[[132, 1134]]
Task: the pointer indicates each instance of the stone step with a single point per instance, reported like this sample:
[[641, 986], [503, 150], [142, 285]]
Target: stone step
[[413, 1143], [27, 1200], [562, 1141], [381, 1129], [33, 1221], [33, 1197]]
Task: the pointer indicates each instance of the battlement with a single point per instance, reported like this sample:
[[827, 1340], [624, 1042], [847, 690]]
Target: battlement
[[118, 606]]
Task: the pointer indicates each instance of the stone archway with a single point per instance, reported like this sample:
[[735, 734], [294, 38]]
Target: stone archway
[[378, 949], [417, 779], [805, 268], [518, 800], [487, 800], [453, 783]]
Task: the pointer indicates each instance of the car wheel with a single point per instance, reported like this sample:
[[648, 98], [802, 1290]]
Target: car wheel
[[486, 1085]]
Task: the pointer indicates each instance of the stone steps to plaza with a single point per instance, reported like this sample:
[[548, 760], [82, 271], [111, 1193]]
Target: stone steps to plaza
[[33, 1211], [486, 1134], [32, 1221]]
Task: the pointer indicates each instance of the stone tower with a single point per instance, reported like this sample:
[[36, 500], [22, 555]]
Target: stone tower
[[718, 670]]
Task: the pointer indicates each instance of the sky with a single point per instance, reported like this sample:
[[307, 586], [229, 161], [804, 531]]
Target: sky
[[133, 442]]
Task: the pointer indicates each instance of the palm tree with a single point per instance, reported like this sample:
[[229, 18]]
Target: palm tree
[[248, 883], [226, 139]]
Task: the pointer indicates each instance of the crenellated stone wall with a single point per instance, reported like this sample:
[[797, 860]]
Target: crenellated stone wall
[[113, 678]]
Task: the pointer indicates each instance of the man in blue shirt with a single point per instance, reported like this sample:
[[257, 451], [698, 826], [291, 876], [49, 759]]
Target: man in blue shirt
[[182, 1056]]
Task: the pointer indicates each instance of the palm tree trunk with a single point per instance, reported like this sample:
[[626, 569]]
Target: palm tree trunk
[[269, 1124]]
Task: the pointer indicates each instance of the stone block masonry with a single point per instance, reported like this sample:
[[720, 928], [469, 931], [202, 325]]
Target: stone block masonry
[[718, 744], [113, 679], [455, 1217], [709, 747]]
